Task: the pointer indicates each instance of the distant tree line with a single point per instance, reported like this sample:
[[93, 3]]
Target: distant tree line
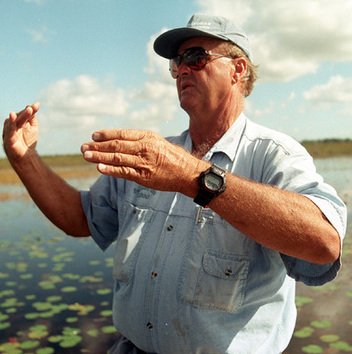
[[327, 141]]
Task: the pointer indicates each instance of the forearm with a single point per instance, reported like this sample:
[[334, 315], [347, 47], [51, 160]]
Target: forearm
[[287, 222], [281, 220], [59, 201]]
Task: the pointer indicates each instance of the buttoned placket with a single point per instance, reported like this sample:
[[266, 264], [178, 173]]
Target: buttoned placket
[[152, 291]]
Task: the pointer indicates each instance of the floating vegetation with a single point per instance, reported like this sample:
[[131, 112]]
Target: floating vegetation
[[108, 329], [300, 301], [40, 301], [312, 349], [68, 289], [104, 291], [329, 338], [346, 347], [305, 332], [321, 324]]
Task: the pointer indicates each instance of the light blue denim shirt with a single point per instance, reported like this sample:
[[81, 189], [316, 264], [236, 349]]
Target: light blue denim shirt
[[190, 285]]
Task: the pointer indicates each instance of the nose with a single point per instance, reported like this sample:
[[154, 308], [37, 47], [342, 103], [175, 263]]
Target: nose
[[183, 69]]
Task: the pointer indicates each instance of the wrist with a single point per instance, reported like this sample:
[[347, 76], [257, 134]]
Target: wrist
[[23, 162], [190, 186]]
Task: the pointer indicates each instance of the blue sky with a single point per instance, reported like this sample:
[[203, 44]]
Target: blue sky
[[91, 65]]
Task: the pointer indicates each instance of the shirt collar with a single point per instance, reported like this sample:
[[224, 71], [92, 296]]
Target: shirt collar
[[228, 143]]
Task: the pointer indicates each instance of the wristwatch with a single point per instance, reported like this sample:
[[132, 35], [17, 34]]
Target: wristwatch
[[212, 182]]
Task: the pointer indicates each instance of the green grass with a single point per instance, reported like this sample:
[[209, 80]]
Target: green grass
[[329, 148]]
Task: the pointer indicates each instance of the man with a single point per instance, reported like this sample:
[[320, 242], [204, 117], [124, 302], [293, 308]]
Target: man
[[212, 227]]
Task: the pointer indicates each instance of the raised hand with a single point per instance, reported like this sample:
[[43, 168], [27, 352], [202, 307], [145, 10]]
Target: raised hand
[[20, 133], [143, 157]]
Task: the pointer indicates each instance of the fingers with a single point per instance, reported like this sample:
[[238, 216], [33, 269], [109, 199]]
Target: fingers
[[121, 134], [122, 141], [25, 115], [124, 153]]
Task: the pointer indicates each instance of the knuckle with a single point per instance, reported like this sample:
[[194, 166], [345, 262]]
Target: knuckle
[[116, 159], [116, 145]]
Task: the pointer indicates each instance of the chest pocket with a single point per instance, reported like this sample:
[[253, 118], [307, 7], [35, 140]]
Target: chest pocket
[[219, 283]]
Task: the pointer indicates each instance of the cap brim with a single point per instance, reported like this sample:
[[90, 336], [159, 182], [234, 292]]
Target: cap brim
[[167, 44]]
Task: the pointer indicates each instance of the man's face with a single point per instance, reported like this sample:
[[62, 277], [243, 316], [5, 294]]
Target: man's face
[[206, 88]]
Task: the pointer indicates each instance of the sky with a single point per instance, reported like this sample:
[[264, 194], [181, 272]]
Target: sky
[[91, 65]]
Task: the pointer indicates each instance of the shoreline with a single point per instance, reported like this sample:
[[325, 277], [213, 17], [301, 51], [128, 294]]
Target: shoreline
[[74, 166]]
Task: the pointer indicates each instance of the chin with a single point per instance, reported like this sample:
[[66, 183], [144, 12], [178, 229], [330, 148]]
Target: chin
[[187, 103]]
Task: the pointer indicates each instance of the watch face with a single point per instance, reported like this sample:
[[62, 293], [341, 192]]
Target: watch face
[[213, 182]]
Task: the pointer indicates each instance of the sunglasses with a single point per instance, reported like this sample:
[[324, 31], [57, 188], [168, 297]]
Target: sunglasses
[[195, 58]]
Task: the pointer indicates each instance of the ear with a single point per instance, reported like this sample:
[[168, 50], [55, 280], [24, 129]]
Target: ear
[[240, 68]]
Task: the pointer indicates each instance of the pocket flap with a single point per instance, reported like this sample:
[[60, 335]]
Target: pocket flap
[[226, 266]]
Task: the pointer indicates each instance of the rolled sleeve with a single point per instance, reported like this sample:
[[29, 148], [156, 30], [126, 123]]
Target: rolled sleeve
[[291, 168], [315, 274], [99, 206]]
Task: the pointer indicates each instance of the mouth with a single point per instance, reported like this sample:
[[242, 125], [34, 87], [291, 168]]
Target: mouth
[[185, 86]]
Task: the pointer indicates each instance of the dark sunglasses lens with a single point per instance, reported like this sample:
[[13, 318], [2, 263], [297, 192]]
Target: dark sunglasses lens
[[196, 59]]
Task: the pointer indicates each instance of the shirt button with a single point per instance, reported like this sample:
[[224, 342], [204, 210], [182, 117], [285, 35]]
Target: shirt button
[[154, 274], [149, 325], [228, 272], [170, 228]]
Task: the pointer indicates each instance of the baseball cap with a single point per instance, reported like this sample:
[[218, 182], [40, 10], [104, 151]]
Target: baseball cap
[[200, 25]]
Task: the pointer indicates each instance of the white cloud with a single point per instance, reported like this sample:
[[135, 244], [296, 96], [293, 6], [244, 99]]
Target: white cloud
[[157, 67], [291, 38], [158, 96], [336, 93], [81, 103], [160, 105]]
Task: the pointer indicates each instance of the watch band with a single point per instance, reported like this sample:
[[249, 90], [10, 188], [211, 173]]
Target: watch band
[[203, 198]]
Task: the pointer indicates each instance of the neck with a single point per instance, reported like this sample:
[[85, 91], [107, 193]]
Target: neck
[[207, 127]]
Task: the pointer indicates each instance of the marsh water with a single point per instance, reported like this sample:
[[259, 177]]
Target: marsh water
[[56, 291]]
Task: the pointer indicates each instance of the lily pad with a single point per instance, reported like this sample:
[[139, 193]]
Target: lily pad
[[305, 332], [46, 350], [29, 344], [93, 332], [68, 289], [38, 334], [106, 313], [312, 349], [71, 276], [54, 298], [104, 291], [300, 301], [3, 317], [321, 324], [329, 338], [30, 297], [108, 329], [55, 339], [4, 325], [341, 346], [71, 319], [70, 341], [32, 316]]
